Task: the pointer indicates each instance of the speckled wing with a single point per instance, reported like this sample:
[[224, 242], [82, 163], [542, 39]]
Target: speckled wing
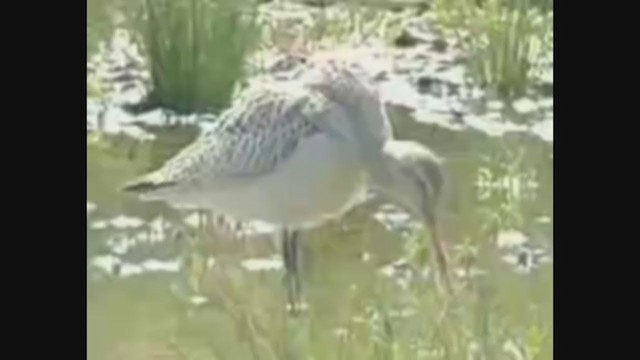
[[348, 85], [250, 139]]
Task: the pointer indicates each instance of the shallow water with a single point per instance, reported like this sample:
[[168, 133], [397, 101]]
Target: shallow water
[[163, 285]]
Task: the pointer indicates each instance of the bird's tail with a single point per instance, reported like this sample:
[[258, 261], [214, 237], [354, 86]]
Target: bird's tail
[[149, 183]]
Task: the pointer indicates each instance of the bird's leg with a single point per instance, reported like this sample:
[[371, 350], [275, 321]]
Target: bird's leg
[[292, 281], [288, 267], [295, 262]]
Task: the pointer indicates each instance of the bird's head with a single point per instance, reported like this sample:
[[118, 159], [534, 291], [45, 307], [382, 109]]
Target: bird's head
[[413, 177]]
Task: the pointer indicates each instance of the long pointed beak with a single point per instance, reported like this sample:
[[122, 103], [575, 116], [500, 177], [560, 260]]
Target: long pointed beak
[[440, 255]]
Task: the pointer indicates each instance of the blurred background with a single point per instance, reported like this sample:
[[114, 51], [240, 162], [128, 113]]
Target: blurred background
[[472, 79]]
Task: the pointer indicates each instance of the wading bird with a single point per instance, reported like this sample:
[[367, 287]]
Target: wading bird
[[297, 155]]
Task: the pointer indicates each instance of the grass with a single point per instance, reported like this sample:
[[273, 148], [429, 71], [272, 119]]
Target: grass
[[319, 28], [505, 40], [103, 17], [356, 313], [355, 23], [196, 51], [99, 24]]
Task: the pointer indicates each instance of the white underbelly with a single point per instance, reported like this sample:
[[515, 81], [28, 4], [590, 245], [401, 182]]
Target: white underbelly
[[319, 182]]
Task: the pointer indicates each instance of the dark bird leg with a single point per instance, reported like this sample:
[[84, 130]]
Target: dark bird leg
[[291, 264], [295, 252]]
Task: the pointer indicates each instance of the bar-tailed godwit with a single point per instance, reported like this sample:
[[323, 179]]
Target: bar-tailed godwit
[[299, 153]]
